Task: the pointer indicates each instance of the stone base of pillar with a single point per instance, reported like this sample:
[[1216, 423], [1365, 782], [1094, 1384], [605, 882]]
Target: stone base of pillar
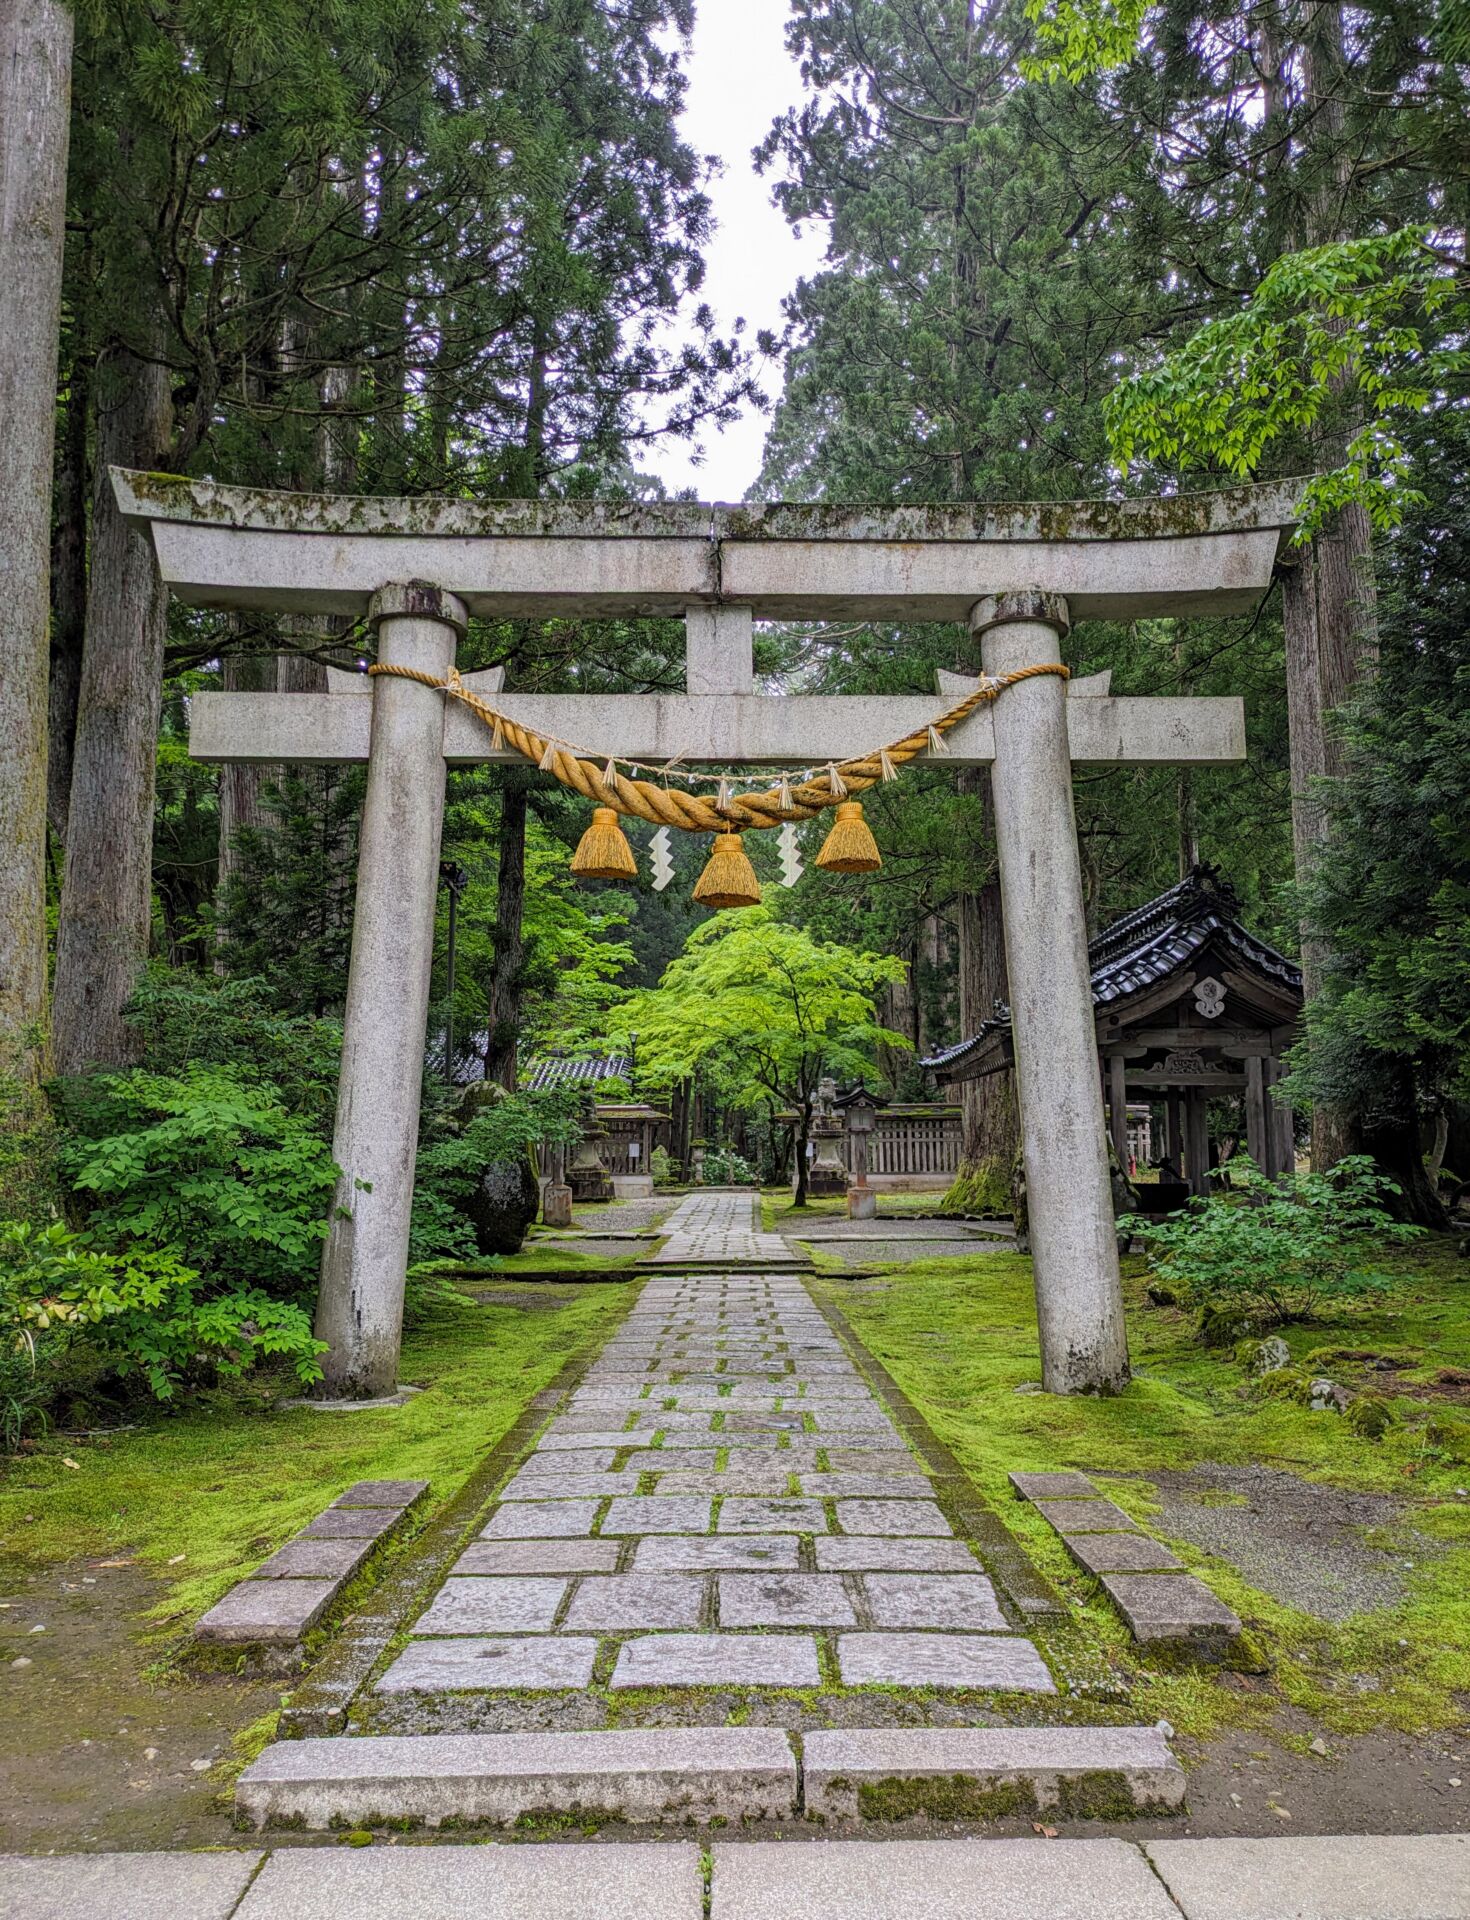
[[556, 1206], [862, 1203]]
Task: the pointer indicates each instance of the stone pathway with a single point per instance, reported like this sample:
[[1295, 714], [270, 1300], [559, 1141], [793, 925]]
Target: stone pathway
[[723, 1502], [714, 1226]]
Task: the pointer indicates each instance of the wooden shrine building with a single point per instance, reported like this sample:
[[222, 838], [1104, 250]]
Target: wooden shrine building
[[1188, 1005]]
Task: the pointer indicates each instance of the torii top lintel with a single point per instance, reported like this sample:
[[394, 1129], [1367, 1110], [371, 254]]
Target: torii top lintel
[[239, 547]]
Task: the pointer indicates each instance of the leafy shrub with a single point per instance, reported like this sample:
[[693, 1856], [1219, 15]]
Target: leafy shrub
[[214, 1169], [140, 1311], [1271, 1251], [724, 1167]]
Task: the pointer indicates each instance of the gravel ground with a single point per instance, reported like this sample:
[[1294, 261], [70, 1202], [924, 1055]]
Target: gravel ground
[[624, 1216], [1298, 1540]]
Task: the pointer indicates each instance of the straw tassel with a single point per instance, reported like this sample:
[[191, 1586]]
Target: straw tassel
[[728, 879], [497, 735], [850, 846], [936, 741], [547, 762], [885, 764], [610, 777], [603, 852], [783, 795], [835, 782]]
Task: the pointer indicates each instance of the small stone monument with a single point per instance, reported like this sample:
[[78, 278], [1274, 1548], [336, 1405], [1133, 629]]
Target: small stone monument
[[556, 1195]]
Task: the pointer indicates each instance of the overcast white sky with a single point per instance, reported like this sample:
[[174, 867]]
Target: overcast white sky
[[740, 78]]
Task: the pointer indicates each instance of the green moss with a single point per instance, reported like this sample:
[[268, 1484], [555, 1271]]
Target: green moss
[[957, 1796], [981, 1190], [959, 1336], [226, 1480]]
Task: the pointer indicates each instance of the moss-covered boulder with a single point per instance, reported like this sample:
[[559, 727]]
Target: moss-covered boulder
[[503, 1205]]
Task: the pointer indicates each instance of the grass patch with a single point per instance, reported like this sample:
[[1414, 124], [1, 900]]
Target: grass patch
[[203, 1495], [959, 1336]]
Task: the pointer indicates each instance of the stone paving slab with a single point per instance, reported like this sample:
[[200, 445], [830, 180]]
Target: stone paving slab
[[1053, 1486], [560, 1453], [659, 1513], [1120, 1553], [352, 1523], [963, 1601], [271, 1612], [542, 1520], [480, 1883], [937, 1880], [718, 1660], [1337, 1877], [942, 1660], [314, 1560], [482, 1665], [1051, 1764], [124, 1886], [765, 1482], [382, 1493], [784, 1600], [504, 1604], [537, 1556], [1170, 1606], [772, 1516], [717, 1554], [538, 1484], [637, 1774], [623, 1601], [915, 1518], [860, 1553], [1086, 1516]]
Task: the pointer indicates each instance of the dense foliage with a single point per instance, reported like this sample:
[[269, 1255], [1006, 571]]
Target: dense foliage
[[1272, 1251]]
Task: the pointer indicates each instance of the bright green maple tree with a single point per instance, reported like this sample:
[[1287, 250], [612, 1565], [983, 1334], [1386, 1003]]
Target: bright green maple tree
[[763, 1009]]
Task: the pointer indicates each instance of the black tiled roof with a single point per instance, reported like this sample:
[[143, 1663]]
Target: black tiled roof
[[558, 1071], [1152, 942]]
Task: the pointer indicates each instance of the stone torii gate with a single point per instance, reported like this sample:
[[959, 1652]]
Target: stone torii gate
[[419, 569]]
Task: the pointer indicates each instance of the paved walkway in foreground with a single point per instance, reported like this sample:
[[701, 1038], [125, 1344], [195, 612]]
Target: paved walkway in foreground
[[723, 1503], [1339, 1878]]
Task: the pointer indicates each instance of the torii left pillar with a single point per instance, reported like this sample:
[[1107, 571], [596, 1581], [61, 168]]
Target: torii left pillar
[[360, 1305]]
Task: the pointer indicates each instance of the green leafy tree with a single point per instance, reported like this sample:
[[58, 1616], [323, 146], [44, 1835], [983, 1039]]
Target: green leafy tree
[[766, 1009]]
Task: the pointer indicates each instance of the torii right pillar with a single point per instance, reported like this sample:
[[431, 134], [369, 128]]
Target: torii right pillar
[[1079, 1298]]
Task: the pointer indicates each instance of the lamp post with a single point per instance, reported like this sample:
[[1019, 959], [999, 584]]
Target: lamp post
[[861, 1112], [454, 877]]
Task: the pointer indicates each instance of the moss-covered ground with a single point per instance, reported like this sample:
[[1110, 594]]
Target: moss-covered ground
[[201, 1495], [959, 1337]]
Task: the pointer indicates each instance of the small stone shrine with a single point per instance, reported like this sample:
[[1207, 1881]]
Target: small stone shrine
[[1187, 1005]]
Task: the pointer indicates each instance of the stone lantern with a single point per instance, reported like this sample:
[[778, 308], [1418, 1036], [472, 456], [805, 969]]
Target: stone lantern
[[860, 1110], [827, 1175], [588, 1176]]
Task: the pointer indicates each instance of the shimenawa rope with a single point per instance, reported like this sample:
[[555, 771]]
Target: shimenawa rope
[[669, 807]]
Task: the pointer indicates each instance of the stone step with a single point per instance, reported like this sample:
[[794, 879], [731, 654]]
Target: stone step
[[640, 1776], [969, 1773], [676, 1775]]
